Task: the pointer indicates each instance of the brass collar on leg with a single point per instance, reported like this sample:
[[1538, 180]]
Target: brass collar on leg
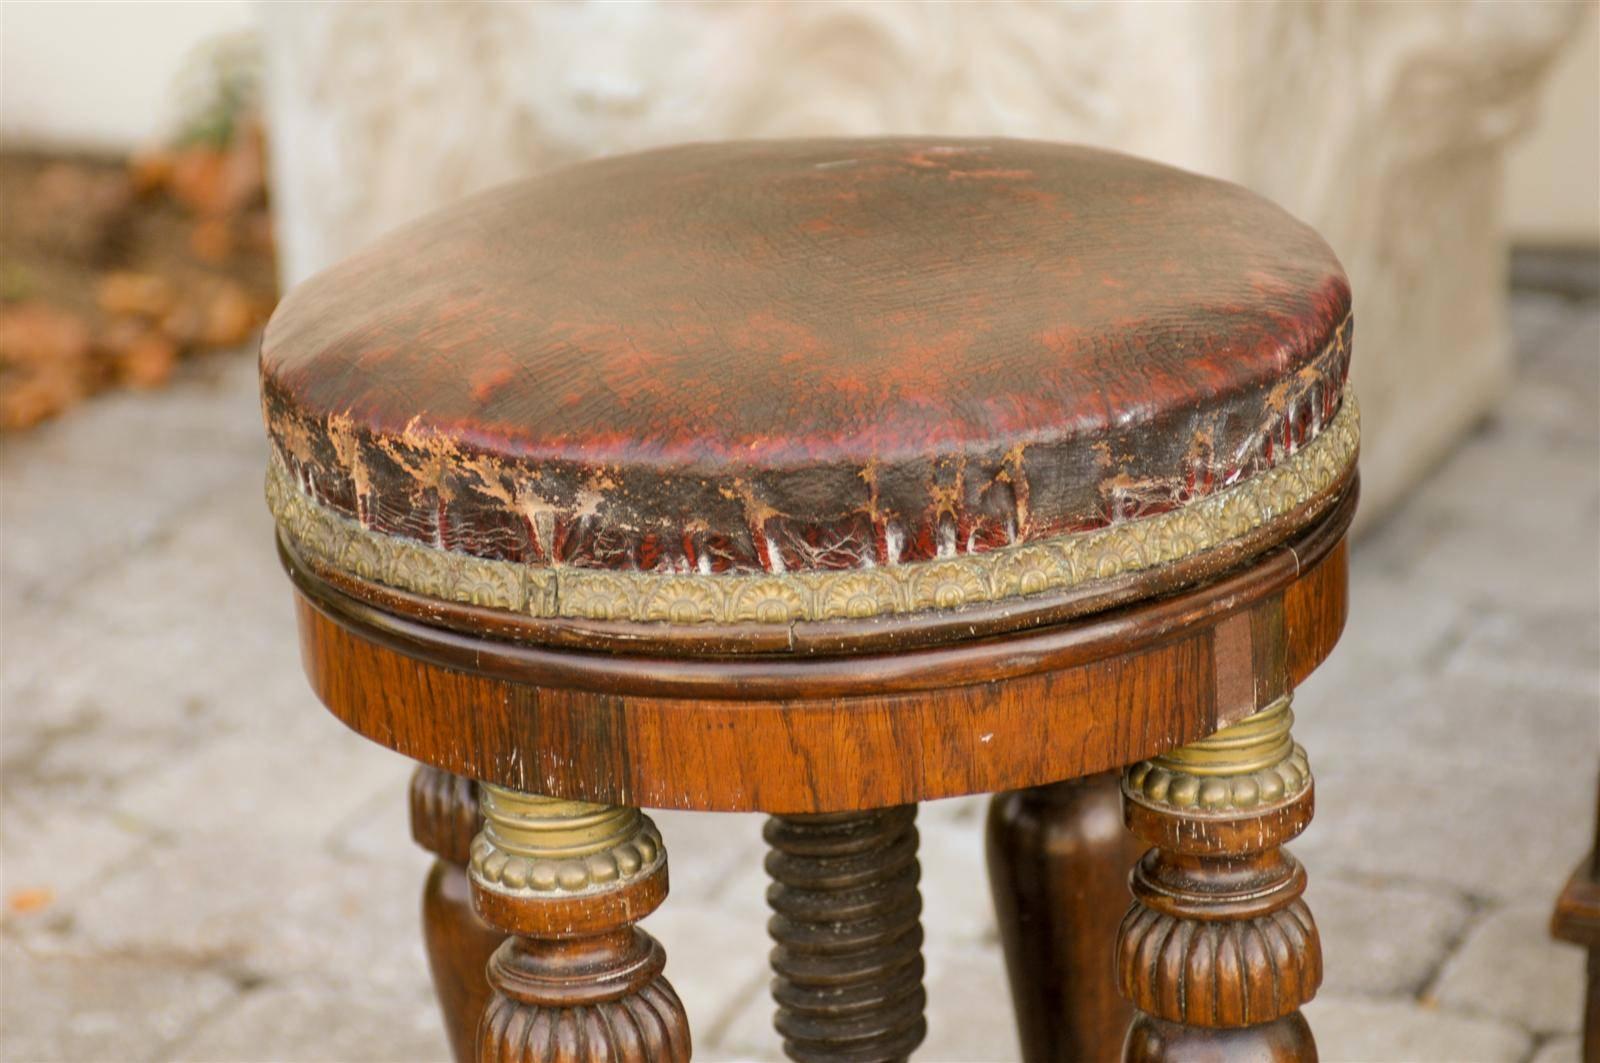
[[553, 867]]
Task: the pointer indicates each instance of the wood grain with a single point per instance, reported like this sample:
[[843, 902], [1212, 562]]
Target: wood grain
[[825, 734], [444, 819], [1059, 857], [459, 945]]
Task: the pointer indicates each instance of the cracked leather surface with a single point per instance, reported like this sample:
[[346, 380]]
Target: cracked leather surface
[[802, 355]]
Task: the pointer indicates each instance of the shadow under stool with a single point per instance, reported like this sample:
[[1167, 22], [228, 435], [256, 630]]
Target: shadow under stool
[[820, 478]]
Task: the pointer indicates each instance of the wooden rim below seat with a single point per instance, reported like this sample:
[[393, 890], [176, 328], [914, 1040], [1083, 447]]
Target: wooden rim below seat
[[788, 735]]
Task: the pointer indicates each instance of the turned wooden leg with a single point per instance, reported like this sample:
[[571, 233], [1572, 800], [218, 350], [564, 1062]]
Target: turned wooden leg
[[1058, 866], [846, 922], [444, 819], [577, 981], [1218, 951]]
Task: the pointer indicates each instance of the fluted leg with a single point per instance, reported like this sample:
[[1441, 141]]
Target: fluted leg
[[444, 819], [1058, 866], [577, 982], [1218, 951], [848, 956]]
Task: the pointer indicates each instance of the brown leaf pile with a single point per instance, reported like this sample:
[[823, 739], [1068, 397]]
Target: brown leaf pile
[[111, 271]]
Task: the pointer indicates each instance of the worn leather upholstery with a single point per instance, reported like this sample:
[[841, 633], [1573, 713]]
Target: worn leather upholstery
[[812, 355]]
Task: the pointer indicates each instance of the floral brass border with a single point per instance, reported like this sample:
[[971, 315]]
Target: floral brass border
[[1030, 568]]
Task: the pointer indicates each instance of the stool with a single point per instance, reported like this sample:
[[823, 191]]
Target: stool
[[820, 478]]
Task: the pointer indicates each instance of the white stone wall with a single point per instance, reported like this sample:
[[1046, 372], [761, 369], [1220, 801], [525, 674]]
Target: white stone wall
[[102, 76], [1382, 125], [1553, 174]]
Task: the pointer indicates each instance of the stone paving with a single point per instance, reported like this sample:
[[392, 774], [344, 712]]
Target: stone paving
[[200, 864]]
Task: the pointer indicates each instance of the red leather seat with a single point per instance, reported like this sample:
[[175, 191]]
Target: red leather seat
[[807, 356]]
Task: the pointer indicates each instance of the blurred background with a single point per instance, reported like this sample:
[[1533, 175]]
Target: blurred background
[[196, 862]]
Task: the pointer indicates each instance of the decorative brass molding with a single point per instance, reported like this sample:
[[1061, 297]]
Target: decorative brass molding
[[1055, 564], [532, 845], [1251, 764]]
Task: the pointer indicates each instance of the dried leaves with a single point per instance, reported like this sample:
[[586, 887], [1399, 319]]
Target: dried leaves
[[111, 272]]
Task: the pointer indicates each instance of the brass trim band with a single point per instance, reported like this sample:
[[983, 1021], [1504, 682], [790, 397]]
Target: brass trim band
[[1250, 765], [543, 846], [1067, 561]]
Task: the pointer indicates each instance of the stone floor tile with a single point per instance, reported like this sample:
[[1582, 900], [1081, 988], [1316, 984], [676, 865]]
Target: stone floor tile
[[715, 963], [263, 906], [1539, 318], [1553, 406], [743, 894], [955, 880], [55, 847], [747, 1036], [220, 785], [134, 670], [1510, 518], [98, 1008], [1557, 649], [1509, 967], [110, 475], [1402, 820], [315, 1020], [1350, 1030], [1469, 722], [1382, 939], [379, 827], [969, 1006], [1395, 622], [709, 851], [729, 1041], [1559, 1050], [1570, 356], [218, 561]]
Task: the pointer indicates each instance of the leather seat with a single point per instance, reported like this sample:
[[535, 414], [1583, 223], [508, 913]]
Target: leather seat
[[791, 382]]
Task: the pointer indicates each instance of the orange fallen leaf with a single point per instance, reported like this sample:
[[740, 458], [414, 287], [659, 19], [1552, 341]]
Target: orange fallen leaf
[[146, 295], [211, 240], [24, 901], [198, 180], [150, 171], [148, 361], [230, 315]]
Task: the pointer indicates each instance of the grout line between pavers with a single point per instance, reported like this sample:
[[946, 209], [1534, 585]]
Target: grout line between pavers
[[171, 1051], [1574, 320], [159, 533], [1472, 1014], [1539, 1041], [1325, 871], [1479, 913], [755, 985], [361, 811]]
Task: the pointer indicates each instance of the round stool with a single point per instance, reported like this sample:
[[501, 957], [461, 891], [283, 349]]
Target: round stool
[[821, 478]]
